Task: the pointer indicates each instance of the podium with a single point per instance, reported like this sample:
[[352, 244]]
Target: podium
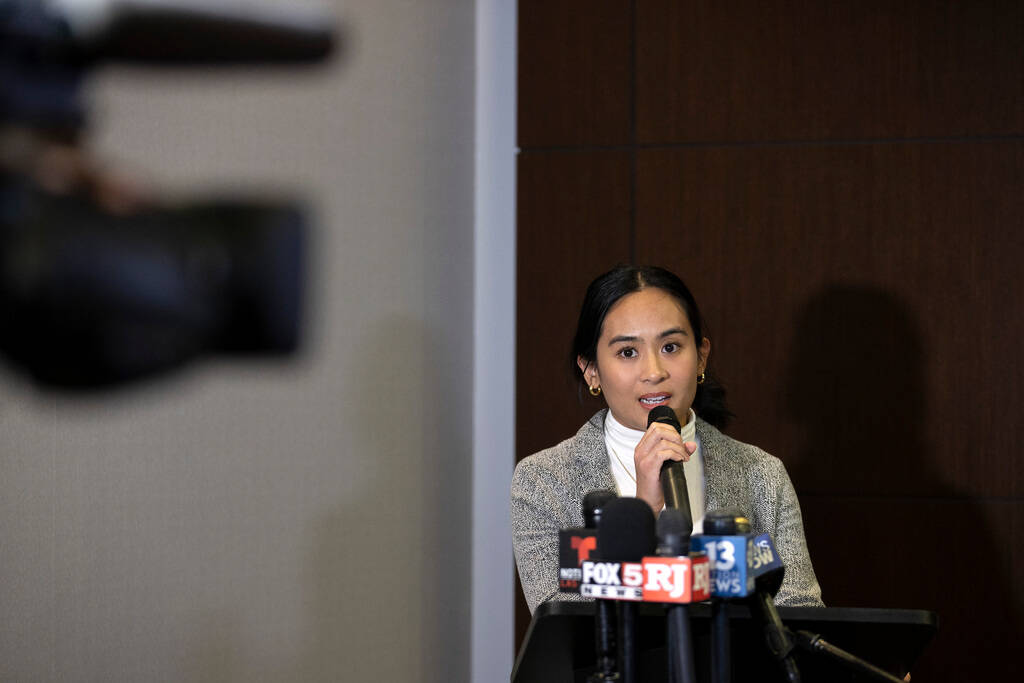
[[559, 644]]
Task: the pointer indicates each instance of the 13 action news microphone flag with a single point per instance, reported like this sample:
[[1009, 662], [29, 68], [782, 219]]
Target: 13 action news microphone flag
[[736, 561]]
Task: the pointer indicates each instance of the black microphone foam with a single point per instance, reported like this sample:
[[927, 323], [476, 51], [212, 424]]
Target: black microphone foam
[[626, 533], [726, 522], [593, 506], [663, 414], [673, 533]]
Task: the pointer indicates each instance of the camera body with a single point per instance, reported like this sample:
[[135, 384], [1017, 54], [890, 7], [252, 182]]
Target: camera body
[[94, 292]]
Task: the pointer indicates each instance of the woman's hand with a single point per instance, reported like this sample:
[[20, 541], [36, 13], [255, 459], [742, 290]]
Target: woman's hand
[[659, 443]]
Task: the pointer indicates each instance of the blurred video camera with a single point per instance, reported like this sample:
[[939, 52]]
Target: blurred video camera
[[100, 284]]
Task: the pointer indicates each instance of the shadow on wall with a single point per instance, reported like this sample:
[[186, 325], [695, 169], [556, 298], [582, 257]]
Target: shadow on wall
[[855, 384], [884, 525]]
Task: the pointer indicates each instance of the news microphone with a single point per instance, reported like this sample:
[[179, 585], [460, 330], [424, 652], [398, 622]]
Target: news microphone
[[725, 539], [767, 579], [578, 544], [626, 534], [593, 507], [604, 610], [673, 478], [674, 541], [743, 566], [728, 543], [812, 642]]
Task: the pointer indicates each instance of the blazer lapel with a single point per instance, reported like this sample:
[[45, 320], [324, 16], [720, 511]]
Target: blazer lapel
[[710, 451], [593, 456]]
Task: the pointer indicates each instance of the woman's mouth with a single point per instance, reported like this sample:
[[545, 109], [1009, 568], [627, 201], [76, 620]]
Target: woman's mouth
[[650, 400]]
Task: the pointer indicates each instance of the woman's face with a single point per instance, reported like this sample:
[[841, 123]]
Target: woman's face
[[646, 357]]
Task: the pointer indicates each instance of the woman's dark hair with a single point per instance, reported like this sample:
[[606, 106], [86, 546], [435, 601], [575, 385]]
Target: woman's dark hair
[[606, 290]]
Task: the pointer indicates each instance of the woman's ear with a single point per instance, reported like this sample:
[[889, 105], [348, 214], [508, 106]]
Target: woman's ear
[[588, 369], [703, 352]]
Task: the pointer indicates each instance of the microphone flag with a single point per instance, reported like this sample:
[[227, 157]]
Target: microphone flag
[[678, 580], [575, 546], [737, 561]]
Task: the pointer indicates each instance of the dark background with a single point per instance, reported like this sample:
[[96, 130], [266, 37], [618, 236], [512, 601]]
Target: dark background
[[842, 186]]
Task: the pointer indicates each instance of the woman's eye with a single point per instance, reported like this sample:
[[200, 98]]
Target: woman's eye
[[671, 347], [627, 352]]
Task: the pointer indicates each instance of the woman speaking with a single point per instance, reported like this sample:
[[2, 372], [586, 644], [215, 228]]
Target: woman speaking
[[639, 344]]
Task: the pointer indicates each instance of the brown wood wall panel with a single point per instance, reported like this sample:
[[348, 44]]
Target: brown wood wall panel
[[574, 73], [844, 69], [955, 557], [574, 222], [842, 185], [859, 298]]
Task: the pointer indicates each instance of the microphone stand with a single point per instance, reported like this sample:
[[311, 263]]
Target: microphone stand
[[813, 642], [721, 654], [727, 522], [680, 651], [604, 643], [777, 636], [627, 662], [604, 615], [673, 529]]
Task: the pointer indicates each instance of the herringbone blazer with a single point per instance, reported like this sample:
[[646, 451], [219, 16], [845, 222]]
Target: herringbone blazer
[[548, 489]]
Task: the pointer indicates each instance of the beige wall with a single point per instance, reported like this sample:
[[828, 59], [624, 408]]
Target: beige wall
[[266, 521]]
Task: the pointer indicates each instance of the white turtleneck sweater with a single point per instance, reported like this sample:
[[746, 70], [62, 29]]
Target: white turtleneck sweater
[[621, 441]]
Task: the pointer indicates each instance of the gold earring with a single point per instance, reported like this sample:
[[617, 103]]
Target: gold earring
[[595, 390], [700, 378]]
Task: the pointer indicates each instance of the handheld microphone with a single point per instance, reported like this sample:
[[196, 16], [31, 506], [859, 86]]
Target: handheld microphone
[[673, 478], [674, 541]]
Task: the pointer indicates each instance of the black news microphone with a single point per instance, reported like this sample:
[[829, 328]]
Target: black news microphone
[[733, 522], [673, 478], [727, 522], [626, 534], [593, 506], [674, 541], [604, 610], [777, 636]]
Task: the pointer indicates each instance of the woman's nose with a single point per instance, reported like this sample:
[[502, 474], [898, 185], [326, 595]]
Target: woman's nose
[[654, 370]]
